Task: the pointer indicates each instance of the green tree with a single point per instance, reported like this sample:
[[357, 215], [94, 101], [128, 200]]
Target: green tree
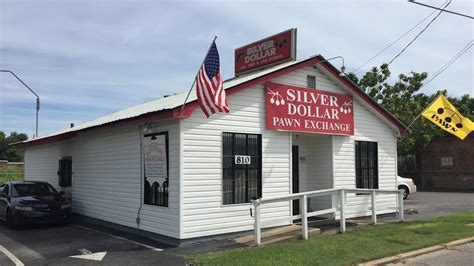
[[405, 102], [465, 105], [9, 152]]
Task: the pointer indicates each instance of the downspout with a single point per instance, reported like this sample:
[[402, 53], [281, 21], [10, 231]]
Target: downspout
[[140, 129]]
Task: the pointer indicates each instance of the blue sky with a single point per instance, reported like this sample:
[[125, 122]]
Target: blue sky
[[90, 58]]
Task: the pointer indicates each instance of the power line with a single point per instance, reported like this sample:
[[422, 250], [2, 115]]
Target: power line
[[448, 11], [450, 62], [399, 38], [418, 35]]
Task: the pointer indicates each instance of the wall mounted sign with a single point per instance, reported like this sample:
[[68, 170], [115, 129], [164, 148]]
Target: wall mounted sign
[[308, 110], [275, 49], [242, 159], [155, 157]]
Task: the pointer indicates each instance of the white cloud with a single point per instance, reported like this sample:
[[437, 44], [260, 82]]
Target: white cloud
[[87, 58]]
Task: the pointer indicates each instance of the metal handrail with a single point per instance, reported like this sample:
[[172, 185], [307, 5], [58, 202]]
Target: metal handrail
[[299, 194], [303, 196]]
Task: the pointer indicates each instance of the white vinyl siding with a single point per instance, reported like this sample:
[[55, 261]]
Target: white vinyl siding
[[107, 174], [42, 162], [368, 127], [299, 78], [108, 171], [203, 213], [159, 219], [319, 159], [203, 210], [315, 171]]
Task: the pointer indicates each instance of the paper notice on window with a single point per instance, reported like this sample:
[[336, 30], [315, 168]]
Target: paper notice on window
[[155, 159]]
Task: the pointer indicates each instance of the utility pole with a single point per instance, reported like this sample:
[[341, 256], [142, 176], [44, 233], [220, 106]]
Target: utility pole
[[37, 97]]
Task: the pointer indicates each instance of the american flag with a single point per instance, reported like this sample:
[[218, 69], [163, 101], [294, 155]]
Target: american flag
[[209, 88]]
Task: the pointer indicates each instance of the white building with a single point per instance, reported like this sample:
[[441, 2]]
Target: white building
[[101, 162]]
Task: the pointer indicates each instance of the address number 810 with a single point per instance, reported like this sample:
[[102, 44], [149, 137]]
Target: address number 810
[[242, 159]]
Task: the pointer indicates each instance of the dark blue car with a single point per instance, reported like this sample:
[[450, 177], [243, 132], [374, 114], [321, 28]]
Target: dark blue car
[[31, 202]]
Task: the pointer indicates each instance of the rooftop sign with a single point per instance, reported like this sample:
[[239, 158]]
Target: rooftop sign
[[270, 51]]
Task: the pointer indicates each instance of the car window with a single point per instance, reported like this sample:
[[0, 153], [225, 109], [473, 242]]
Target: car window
[[5, 189], [33, 189]]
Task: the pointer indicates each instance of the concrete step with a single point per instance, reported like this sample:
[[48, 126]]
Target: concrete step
[[278, 234]]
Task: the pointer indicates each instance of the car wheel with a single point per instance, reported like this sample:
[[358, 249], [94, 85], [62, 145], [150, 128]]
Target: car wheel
[[405, 191], [9, 218]]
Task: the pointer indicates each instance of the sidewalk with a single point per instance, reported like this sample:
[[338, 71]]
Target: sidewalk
[[459, 252], [459, 255]]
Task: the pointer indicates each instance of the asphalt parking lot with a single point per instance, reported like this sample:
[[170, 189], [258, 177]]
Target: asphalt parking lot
[[73, 245], [77, 245], [433, 204]]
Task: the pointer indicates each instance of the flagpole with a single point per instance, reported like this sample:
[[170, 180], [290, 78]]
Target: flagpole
[[418, 116], [408, 127], [194, 82]]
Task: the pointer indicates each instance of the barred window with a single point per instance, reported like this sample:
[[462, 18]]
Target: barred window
[[242, 167], [367, 172], [65, 172]]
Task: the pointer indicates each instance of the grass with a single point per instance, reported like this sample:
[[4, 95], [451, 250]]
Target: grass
[[362, 244], [10, 175]]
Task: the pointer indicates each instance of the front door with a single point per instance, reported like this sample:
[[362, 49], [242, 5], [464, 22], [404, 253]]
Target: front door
[[296, 178], [65, 176], [65, 172]]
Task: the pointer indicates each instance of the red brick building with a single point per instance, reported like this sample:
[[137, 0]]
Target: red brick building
[[447, 163]]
